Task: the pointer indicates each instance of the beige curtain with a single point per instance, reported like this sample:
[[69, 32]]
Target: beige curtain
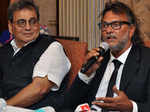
[[79, 18]]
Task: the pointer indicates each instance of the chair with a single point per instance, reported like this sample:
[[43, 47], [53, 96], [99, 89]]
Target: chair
[[76, 52], [147, 43]]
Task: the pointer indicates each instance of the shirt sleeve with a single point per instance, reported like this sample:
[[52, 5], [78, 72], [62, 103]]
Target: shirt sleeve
[[85, 78], [135, 107], [53, 63]]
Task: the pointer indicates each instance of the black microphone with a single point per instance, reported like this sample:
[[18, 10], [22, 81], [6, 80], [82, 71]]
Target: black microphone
[[103, 48]]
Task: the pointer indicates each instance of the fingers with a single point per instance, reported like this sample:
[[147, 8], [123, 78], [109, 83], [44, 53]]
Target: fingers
[[116, 90], [100, 59], [119, 93], [105, 99], [93, 52], [119, 103], [105, 103]]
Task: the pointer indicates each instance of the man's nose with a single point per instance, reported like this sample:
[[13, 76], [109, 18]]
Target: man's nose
[[109, 29], [27, 26]]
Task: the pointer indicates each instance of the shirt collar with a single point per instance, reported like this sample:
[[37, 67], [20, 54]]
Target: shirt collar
[[122, 58], [15, 47]]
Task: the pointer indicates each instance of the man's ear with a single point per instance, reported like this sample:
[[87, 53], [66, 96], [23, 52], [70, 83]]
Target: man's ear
[[10, 27]]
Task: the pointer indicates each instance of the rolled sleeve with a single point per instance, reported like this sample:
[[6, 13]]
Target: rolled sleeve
[[135, 107], [85, 78], [54, 64]]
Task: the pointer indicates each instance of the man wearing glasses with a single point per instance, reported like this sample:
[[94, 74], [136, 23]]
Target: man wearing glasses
[[120, 80], [32, 66]]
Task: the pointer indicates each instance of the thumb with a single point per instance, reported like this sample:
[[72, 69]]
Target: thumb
[[116, 90]]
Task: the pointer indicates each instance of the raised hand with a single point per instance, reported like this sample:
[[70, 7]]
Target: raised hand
[[119, 103], [93, 52]]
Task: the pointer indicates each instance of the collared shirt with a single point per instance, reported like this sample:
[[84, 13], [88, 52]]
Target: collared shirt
[[52, 63], [102, 90], [15, 47]]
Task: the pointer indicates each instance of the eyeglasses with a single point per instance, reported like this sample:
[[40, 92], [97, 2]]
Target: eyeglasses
[[22, 22], [116, 25]]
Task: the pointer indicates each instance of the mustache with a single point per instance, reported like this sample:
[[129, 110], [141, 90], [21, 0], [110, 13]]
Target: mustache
[[110, 36]]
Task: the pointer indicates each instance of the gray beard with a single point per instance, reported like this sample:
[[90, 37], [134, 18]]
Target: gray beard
[[121, 43]]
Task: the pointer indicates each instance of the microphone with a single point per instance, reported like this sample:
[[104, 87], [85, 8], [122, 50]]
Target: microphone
[[83, 108], [103, 48]]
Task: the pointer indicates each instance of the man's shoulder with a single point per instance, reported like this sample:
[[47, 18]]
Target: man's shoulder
[[144, 52], [141, 47], [47, 37], [41, 44], [144, 49]]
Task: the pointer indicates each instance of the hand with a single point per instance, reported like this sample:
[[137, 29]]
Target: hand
[[119, 103], [93, 68]]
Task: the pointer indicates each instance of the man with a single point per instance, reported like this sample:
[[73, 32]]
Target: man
[[5, 37], [131, 91], [32, 66]]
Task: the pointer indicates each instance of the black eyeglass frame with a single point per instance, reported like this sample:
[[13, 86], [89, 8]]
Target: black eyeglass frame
[[116, 25]]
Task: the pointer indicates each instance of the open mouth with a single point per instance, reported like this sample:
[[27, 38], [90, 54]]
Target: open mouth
[[111, 38]]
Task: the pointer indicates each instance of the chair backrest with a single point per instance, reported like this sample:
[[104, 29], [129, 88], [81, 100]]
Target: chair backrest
[[76, 52], [147, 43]]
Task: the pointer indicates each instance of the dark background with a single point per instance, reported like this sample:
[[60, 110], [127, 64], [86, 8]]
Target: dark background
[[3, 15]]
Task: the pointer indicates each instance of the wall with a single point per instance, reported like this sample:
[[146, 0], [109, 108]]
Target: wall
[[142, 10], [48, 14]]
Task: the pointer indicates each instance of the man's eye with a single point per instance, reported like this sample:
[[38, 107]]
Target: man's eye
[[33, 21], [105, 25], [115, 24], [20, 22]]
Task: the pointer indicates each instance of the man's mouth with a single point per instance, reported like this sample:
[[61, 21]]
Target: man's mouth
[[28, 34], [110, 37]]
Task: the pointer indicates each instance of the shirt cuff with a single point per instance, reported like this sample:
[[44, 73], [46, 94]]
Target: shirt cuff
[[50, 78], [135, 107], [85, 78]]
